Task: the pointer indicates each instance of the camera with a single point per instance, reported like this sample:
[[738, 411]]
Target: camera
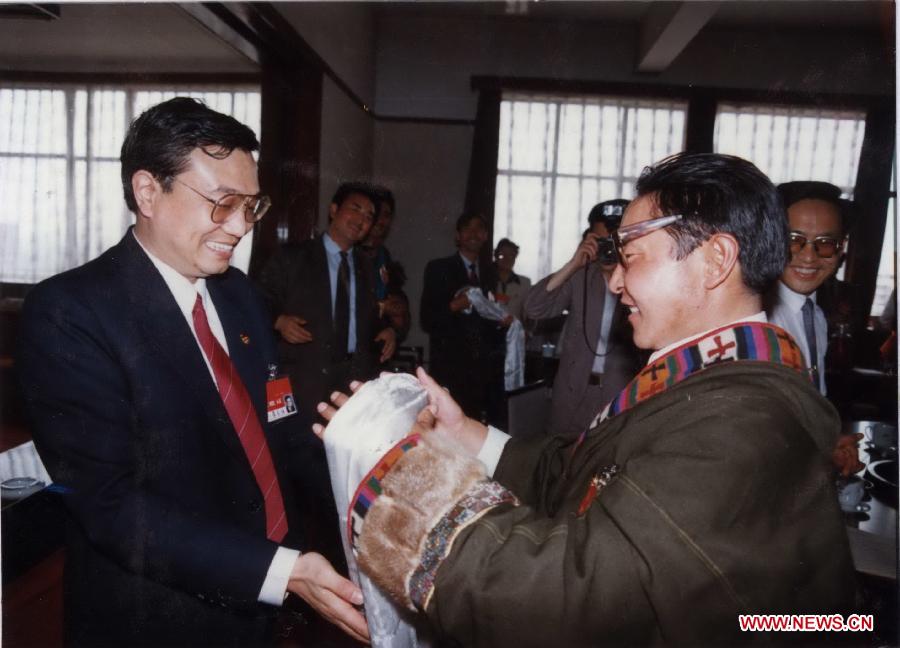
[[606, 251]]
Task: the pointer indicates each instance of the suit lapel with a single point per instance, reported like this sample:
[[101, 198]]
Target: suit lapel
[[321, 285], [362, 288], [243, 349], [170, 337]]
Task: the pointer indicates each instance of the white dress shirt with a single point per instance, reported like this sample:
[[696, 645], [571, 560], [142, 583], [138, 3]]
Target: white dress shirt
[[610, 299], [787, 312], [274, 587]]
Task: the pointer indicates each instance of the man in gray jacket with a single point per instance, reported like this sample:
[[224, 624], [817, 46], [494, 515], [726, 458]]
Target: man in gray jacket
[[598, 356]]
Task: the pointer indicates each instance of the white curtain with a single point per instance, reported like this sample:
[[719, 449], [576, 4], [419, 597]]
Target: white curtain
[[61, 198], [790, 143], [560, 155]]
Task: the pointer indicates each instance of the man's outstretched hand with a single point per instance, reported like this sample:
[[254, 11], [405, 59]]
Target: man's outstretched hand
[[315, 581], [442, 415], [845, 455]]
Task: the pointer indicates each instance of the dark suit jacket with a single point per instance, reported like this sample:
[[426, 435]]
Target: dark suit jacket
[[575, 403], [466, 350], [295, 282], [167, 542]]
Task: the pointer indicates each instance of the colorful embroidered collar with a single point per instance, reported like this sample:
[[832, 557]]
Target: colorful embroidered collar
[[752, 341]]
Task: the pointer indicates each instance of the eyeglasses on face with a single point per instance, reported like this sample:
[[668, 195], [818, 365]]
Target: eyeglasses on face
[[622, 236], [254, 207], [825, 246]]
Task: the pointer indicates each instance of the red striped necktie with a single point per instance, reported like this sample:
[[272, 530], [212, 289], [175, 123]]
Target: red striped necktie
[[246, 423]]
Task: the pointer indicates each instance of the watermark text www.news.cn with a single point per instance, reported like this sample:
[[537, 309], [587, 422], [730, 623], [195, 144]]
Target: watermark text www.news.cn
[[806, 623]]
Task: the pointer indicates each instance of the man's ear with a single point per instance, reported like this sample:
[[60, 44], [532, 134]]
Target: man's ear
[[146, 191], [332, 210], [721, 253]]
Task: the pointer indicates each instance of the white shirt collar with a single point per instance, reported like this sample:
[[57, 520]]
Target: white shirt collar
[[793, 300], [184, 292], [468, 263], [758, 317]]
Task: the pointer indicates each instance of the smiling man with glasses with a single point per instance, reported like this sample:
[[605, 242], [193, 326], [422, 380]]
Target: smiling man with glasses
[[145, 373], [700, 493], [816, 214]]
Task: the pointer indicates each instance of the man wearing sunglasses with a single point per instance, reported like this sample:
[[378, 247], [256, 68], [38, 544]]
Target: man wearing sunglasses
[[145, 375], [815, 214], [701, 493]]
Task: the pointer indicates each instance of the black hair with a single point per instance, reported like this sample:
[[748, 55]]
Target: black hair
[[346, 189], [609, 212], [386, 197], [161, 140], [507, 243], [722, 193], [794, 192], [467, 217]]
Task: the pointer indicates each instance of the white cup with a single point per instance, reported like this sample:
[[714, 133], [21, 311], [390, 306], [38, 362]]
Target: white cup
[[881, 436], [850, 493]]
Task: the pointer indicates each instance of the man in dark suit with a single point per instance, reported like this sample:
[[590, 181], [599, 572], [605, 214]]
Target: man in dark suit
[[598, 357], [145, 375], [466, 350], [321, 296]]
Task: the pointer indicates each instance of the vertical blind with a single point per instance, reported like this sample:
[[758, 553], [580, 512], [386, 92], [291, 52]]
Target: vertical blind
[[59, 169], [560, 155]]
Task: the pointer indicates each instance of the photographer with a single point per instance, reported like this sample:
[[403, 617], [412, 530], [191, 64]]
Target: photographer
[[598, 357]]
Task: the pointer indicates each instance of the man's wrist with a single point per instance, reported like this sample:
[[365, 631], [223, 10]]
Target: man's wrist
[[275, 586], [491, 449]]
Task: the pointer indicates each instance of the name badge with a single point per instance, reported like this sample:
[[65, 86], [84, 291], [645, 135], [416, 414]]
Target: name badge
[[280, 401]]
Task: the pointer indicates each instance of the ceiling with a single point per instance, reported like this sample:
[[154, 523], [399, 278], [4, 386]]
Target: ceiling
[[838, 13]]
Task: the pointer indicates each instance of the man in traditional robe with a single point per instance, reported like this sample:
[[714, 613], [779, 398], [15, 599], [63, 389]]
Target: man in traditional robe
[[702, 492]]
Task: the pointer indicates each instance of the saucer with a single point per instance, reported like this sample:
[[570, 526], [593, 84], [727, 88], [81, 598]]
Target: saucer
[[19, 487]]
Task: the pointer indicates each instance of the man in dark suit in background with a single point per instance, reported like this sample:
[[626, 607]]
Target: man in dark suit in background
[[145, 376], [598, 356], [466, 350], [321, 296]]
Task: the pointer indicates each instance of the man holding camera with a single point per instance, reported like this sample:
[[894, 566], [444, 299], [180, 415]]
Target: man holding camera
[[598, 356]]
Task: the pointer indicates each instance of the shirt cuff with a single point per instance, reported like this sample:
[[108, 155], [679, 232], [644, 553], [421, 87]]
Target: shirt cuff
[[274, 588], [493, 446]]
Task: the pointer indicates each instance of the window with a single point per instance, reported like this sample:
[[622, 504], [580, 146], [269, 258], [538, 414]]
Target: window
[[59, 170], [884, 282], [790, 143], [559, 156], [793, 143]]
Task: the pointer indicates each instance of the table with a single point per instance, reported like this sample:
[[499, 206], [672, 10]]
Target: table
[[873, 533]]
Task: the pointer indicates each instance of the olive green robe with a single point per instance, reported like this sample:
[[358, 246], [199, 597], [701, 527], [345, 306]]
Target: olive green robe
[[722, 504]]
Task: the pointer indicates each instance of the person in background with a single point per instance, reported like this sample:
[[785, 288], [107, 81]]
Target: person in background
[[321, 296], [511, 288], [144, 372], [598, 356], [816, 220], [393, 305], [466, 350], [817, 223]]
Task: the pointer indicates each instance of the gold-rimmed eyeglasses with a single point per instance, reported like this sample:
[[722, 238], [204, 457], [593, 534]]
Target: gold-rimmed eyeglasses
[[254, 207], [622, 236], [825, 246]]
